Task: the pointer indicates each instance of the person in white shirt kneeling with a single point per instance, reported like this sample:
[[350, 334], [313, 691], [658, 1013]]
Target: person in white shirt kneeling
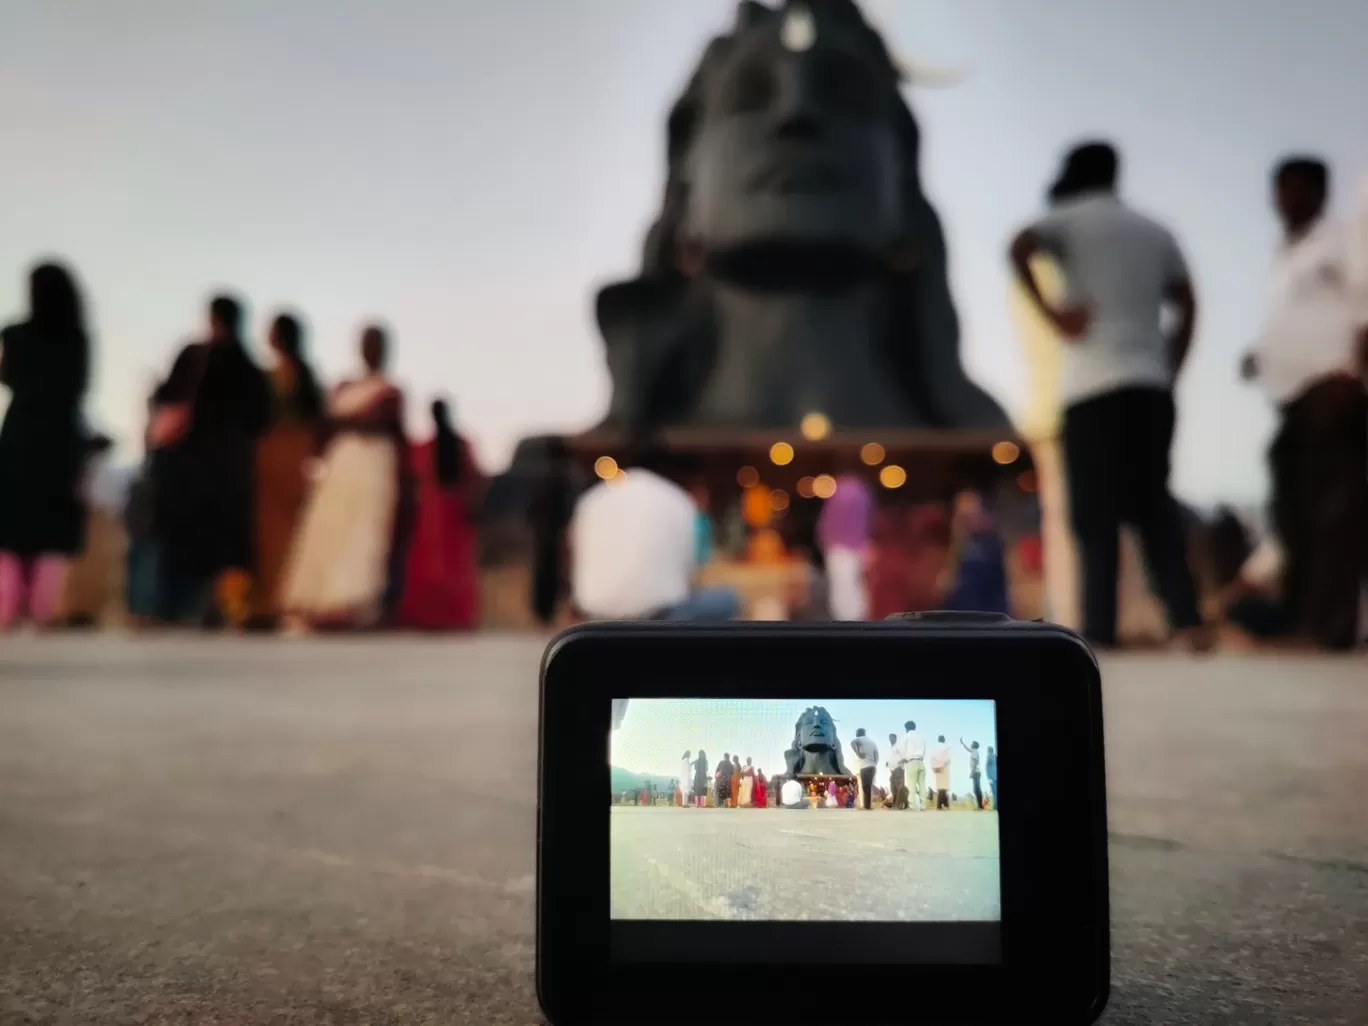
[[634, 547]]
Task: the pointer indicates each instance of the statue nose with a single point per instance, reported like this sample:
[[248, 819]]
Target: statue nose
[[797, 112]]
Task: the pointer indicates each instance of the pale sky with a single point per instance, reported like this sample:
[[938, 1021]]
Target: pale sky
[[470, 172], [656, 731]]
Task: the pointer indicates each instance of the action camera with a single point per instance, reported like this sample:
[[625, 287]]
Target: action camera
[[901, 822]]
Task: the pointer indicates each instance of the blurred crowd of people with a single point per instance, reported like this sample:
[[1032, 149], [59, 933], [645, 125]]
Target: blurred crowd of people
[[264, 500]]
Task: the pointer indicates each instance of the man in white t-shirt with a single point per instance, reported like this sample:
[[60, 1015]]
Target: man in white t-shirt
[[634, 548], [791, 795], [1308, 361], [867, 759], [1122, 273]]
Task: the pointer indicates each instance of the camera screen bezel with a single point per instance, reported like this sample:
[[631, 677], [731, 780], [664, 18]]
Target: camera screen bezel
[[1054, 930]]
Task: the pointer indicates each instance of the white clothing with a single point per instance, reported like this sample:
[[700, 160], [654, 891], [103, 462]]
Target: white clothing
[[1358, 259], [791, 793], [940, 758], [1308, 333], [339, 563], [1120, 265], [831, 802], [634, 547], [686, 779], [1263, 569], [846, 583], [912, 746], [866, 752]]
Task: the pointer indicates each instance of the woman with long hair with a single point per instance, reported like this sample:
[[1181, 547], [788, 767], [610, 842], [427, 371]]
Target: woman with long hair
[[45, 364], [283, 457], [339, 568], [442, 581]]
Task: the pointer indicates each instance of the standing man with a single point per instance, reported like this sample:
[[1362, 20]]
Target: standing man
[[940, 766], [867, 754], [1121, 272], [992, 777], [1310, 364], [912, 749], [975, 776], [897, 787]]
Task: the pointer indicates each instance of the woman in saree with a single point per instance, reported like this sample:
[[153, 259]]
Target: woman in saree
[[747, 785], [442, 581], [282, 461], [761, 792], [339, 569], [736, 782]]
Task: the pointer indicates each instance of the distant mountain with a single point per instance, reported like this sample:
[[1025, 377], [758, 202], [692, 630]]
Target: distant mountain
[[626, 780]]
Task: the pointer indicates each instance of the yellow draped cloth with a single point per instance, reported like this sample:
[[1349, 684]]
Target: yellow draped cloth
[[1040, 426]]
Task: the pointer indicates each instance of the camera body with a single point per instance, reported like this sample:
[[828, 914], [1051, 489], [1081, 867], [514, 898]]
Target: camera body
[[697, 897]]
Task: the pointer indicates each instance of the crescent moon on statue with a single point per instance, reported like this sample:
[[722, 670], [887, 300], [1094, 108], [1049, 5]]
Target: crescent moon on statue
[[913, 73], [924, 75]]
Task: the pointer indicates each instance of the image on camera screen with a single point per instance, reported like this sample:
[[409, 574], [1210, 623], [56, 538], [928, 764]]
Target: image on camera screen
[[898, 800]]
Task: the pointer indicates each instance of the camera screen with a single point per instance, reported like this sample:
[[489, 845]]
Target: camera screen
[[821, 810]]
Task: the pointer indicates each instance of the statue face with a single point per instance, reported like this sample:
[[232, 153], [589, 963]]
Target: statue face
[[816, 730], [795, 145]]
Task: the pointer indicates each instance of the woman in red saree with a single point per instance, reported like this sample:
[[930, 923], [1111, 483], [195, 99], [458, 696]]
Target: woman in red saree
[[761, 793], [441, 584]]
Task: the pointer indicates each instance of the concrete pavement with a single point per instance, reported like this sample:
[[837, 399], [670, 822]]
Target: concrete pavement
[[341, 831]]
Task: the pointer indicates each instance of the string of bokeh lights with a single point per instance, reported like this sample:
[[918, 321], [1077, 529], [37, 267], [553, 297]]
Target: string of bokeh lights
[[817, 427]]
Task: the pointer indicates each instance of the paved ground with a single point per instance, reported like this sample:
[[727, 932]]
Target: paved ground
[[237, 832], [774, 864]]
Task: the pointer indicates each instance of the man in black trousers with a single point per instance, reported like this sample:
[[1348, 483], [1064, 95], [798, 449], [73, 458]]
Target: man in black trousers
[[1123, 272], [1311, 364]]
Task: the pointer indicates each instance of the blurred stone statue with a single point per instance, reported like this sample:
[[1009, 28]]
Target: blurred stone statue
[[796, 265], [816, 751]]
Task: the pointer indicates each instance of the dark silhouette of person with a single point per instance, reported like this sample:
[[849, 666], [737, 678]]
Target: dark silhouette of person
[[283, 455], [45, 363], [211, 411], [553, 505]]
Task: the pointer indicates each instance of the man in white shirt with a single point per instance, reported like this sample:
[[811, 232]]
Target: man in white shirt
[[912, 752], [897, 779], [867, 759], [1308, 360], [791, 795], [634, 548], [1122, 273]]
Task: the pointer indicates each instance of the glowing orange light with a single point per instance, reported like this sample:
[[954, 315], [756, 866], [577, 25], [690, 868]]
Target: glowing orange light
[[824, 486], [815, 426], [1006, 453], [872, 454], [779, 500], [1027, 482], [892, 476], [606, 467], [748, 477], [781, 454], [805, 489]]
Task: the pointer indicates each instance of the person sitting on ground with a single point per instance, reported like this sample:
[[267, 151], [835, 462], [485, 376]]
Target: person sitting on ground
[[792, 795], [634, 547]]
